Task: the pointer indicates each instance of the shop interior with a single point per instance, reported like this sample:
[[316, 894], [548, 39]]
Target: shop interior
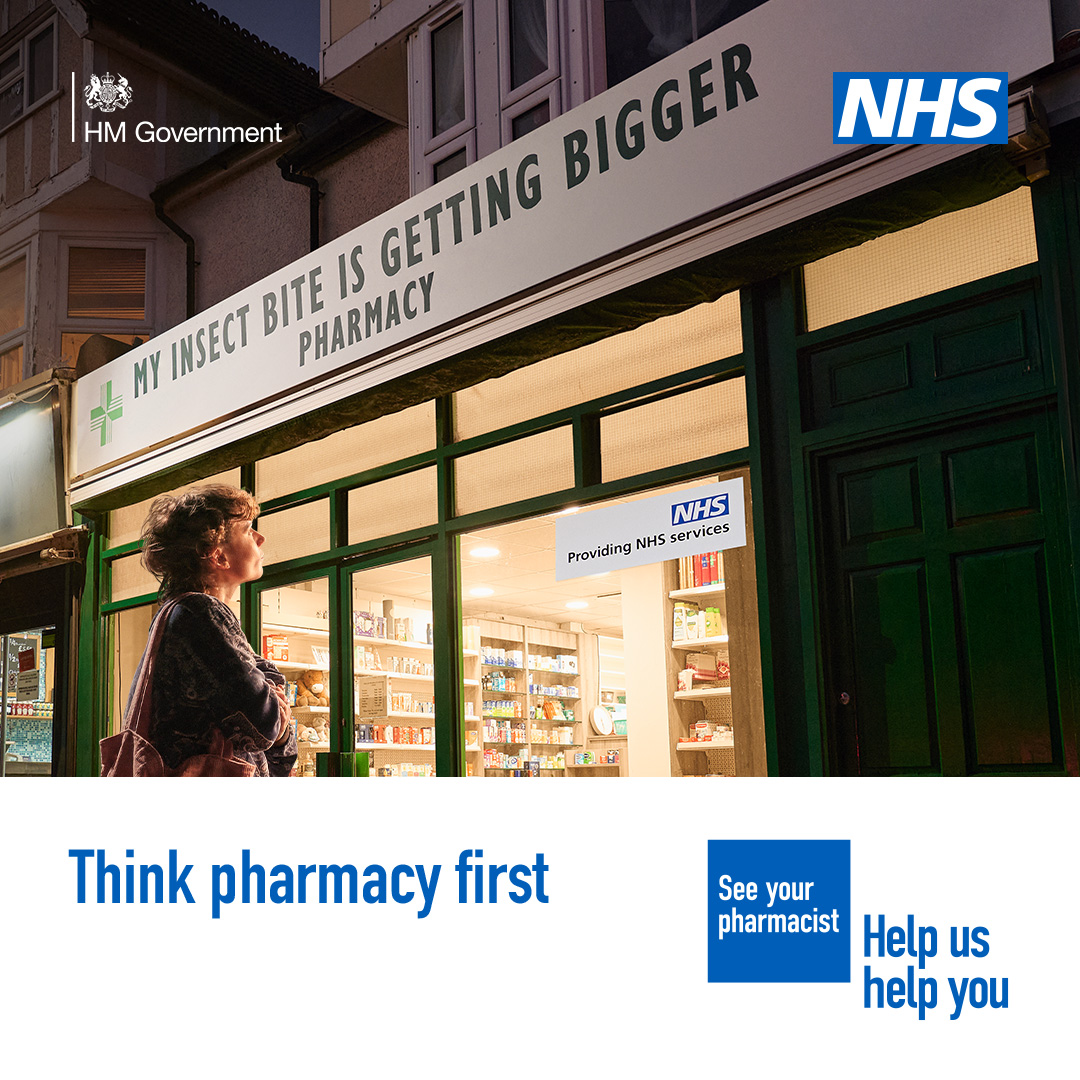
[[646, 671]]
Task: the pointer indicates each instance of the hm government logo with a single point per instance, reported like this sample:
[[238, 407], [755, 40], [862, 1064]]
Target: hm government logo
[[103, 416], [107, 94]]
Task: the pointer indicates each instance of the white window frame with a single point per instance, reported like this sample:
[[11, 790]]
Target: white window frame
[[494, 100], [548, 93], [21, 48], [429, 148], [552, 72]]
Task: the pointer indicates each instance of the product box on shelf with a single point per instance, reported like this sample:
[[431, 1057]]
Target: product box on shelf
[[276, 647]]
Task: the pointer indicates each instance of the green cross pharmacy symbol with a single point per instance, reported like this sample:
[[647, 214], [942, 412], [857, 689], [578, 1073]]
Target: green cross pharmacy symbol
[[103, 415]]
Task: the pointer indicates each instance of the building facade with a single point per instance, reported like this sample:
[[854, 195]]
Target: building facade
[[575, 258]]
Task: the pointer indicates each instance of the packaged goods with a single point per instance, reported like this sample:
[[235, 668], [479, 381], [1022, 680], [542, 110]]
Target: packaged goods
[[276, 647]]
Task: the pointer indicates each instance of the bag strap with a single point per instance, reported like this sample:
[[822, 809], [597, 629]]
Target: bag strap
[[137, 717]]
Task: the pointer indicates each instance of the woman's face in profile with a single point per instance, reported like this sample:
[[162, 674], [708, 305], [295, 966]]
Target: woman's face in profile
[[243, 552]]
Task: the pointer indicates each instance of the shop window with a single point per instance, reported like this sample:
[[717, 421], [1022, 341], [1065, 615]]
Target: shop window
[[107, 283], [703, 422], [28, 669], [638, 33], [130, 631], [666, 346], [648, 670], [130, 579], [125, 523], [463, 113], [354, 450], [511, 472], [295, 635], [292, 534], [938, 254], [397, 505], [394, 668], [27, 73]]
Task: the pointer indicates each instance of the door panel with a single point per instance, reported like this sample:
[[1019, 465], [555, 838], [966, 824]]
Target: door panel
[[894, 696], [938, 603], [1009, 699]]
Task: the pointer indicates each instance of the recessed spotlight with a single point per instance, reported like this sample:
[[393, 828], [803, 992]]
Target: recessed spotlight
[[484, 552], [577, 605], [481, 590], [604, 573], [568, 510]]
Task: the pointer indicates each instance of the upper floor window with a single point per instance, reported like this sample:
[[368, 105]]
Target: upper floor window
[[107, 283], [27, 73], [12, 320], [484, 74], [107, 300], [638, 33]]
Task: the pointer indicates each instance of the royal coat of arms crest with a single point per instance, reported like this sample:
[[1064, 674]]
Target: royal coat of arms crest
[[108, 94]]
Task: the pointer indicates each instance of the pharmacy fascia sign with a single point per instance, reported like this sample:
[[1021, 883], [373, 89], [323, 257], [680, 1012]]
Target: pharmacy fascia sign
[[739, 111]]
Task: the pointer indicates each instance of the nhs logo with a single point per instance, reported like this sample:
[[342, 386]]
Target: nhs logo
[[699, 509], [920, 107]]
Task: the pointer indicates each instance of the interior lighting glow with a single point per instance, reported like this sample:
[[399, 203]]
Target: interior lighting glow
[[484, 552], [577, 605]]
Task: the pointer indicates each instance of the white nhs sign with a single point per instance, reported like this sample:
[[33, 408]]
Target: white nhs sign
[[920, 107]]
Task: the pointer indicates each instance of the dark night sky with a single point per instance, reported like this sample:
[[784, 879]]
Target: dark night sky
[[290, 25]]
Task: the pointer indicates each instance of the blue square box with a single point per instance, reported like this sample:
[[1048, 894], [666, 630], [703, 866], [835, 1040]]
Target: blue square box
[[805, 936]]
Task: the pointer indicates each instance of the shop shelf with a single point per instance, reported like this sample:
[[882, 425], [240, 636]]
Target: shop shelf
[[699, 590], [705, 746], [311, 708], [428, 716], [288, 665], [596, 765], [492, 690], [313, 746], [292, 628], [554, 671], [497, 742], [422, 747], [359, 639], [561, 697], [703, 694], [504, 667], [722, 639]]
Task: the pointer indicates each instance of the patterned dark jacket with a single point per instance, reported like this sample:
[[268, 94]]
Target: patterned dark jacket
[[206, 676]]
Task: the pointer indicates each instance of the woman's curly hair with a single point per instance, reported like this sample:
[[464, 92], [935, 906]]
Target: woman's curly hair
[[181, 530]]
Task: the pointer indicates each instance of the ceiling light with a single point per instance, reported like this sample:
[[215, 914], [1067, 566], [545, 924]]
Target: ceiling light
[[484, 552], [568, 510], [481, 590], [577, 605]]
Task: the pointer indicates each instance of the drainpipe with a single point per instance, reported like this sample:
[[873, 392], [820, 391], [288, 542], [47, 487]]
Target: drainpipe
[[189, 243], [312, 184]]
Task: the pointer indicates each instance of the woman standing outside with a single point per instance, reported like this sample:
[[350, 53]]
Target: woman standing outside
[[214, 706]]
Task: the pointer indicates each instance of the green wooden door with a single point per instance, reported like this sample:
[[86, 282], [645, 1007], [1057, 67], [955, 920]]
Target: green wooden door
[[943, 603]]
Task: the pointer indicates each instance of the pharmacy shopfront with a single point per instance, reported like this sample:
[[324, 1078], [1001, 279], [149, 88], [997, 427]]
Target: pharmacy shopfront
[[590, 322]]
